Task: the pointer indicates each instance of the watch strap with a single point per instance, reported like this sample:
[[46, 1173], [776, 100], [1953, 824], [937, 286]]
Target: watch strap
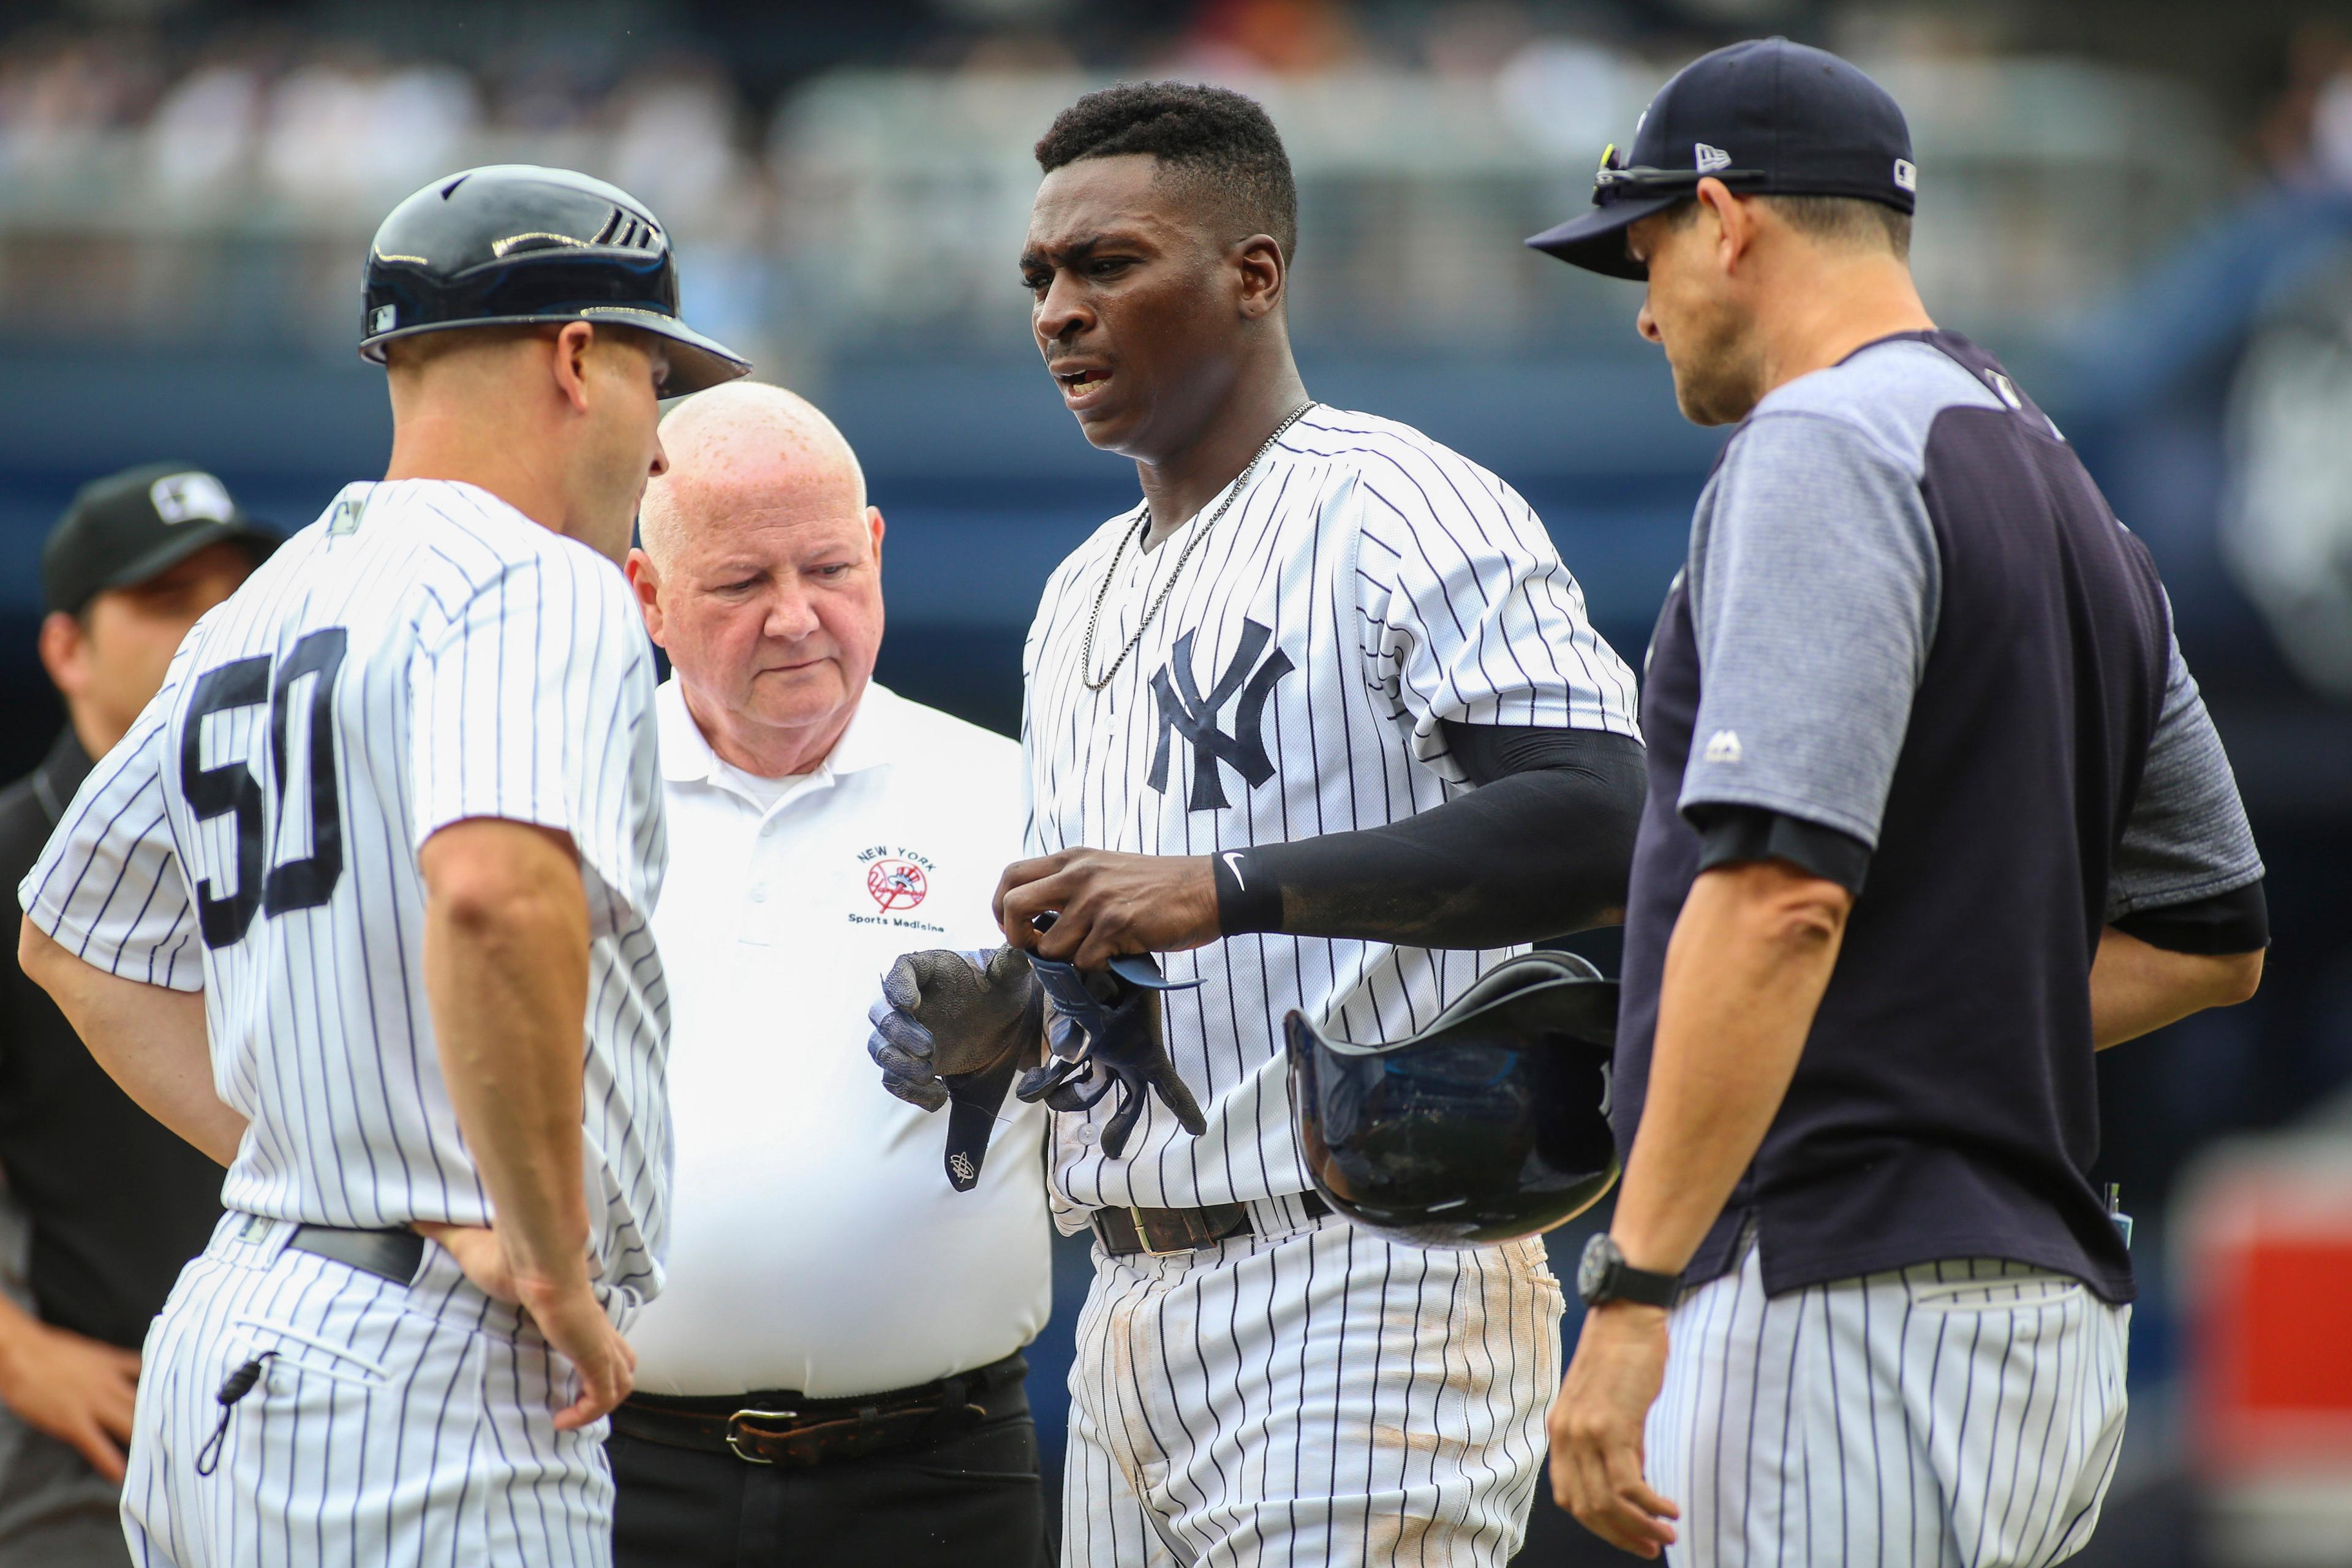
[[1626, 1283], [1604, 1276]]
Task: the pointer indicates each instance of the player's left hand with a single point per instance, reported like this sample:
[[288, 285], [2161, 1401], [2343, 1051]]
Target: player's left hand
[[1596, 1428], [1108, 903]]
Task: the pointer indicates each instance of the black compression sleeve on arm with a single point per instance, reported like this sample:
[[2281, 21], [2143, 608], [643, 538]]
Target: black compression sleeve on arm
[[1541, 848]]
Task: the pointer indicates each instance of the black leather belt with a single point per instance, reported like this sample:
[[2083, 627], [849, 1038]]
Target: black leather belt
[[794, 1430], [1164, 1233], [394, 1255]]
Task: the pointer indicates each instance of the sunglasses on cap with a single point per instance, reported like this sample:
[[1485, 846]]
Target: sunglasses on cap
[[1616, 179]]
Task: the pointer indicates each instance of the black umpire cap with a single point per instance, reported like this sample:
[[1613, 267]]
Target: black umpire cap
[[1766, 118], [517, 245], [136, 525]]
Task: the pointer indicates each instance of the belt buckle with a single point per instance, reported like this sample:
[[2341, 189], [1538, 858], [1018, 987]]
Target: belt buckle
[[741, 1415], [1143, 1237]]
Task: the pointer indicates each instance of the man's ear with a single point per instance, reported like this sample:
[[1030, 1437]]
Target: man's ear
[[64, 648], [1263, 271], [644, 581], [573, 344], [873, 527], [1734, 221]]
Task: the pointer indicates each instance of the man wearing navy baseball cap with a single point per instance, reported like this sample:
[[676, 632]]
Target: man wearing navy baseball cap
[[1763, 118], [1860, 1302]]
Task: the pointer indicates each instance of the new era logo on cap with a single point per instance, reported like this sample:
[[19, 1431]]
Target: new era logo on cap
[[183, 498], [1706, 159]]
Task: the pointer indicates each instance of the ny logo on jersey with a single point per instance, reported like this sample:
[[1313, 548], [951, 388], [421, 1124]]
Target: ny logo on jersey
[[1184, 712]]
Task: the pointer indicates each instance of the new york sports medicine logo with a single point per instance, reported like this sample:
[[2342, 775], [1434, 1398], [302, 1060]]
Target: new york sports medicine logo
[[1183, 710], [895, 883], [897, 880]]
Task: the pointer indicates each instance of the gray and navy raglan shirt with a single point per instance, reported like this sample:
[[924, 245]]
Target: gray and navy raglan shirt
[[1913, 651]]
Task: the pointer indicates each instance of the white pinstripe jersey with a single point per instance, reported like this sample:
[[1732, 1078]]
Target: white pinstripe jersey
[[421, 653], [1367, 585]]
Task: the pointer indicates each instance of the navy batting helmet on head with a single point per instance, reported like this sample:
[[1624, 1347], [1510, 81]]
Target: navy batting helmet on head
[[1491, 1124], [515, 245]]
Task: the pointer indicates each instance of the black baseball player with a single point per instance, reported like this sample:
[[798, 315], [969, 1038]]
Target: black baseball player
[[1322, 722]]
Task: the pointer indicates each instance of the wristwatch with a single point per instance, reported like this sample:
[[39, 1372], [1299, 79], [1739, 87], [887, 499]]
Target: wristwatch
[[1603, 1274]]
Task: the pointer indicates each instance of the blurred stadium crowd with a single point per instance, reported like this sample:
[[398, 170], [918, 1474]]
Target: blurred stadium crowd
[[136, 163], [2144, 209]]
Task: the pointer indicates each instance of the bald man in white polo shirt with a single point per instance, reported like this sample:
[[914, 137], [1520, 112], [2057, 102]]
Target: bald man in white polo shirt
[[832, 1374]]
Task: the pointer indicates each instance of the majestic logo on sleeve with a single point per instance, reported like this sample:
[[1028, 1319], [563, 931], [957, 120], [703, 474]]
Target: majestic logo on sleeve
[[1184, 712]]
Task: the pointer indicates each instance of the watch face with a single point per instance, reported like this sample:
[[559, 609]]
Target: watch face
[[1592, 1269]]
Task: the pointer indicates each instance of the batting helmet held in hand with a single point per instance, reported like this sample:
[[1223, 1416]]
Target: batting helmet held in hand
[[515, 245], [1491, 1124]]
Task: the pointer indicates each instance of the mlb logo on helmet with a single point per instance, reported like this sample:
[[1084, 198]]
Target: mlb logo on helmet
[[1906, 175]]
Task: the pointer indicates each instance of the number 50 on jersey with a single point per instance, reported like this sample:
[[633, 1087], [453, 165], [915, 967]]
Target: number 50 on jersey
[[301, 685]]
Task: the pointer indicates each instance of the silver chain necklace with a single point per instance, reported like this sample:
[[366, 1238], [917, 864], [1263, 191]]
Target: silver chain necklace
[[1143, 526]]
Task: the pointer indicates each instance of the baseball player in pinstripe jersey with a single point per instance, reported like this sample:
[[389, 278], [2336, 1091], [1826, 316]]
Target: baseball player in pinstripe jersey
[[1935, 814], [359, 908], [1322, 721]]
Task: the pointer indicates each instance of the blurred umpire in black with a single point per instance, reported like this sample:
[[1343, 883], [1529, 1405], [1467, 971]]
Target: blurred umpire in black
[[1934, 813], [114, 1203]]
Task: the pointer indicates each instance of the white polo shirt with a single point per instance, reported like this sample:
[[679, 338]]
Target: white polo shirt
[[815, 1244]]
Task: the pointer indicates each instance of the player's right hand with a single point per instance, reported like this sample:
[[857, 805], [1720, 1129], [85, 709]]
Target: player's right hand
[[569, 1314], [478, 1252], [574, 1323], [1596, 1429], [78, 1390], [946, 1014]]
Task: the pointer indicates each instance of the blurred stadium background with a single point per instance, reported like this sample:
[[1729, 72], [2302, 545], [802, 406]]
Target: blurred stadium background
[[2144, 205]]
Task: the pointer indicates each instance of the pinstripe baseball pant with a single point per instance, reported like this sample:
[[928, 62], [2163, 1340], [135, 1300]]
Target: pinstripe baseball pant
[[1309, 1395], [392, 1426], [1966, 1414]]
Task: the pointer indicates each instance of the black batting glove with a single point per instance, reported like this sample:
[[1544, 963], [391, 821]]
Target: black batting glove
[[952, 1028], [1104, 1034]]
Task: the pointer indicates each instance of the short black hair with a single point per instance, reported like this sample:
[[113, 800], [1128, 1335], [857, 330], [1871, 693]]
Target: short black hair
[[1849, 220], [1211, 137], [1853, 220]]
